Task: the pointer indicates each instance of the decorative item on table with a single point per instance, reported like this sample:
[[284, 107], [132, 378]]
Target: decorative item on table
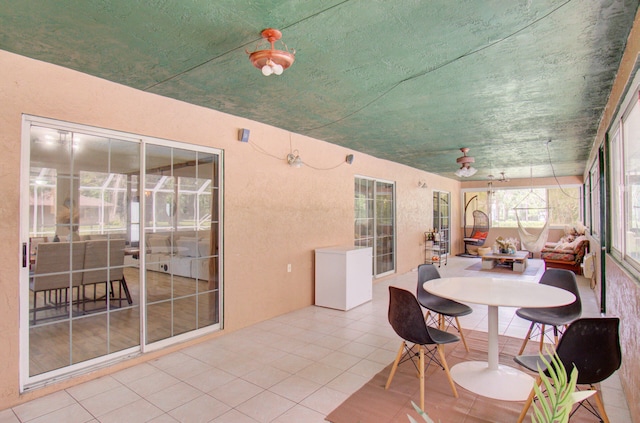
[[505, 246]]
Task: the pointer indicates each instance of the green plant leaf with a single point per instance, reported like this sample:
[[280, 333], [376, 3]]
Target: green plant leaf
[[556, 405]]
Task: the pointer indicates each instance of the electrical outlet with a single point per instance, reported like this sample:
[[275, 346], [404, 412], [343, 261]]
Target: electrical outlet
[[288, 267]]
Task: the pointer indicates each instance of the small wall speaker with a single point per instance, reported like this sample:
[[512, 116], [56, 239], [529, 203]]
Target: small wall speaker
[[349, 158], [243, 135]]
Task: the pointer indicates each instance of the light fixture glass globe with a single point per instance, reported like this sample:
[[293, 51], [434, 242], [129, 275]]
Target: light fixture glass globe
[[266, 70], [277, 69], [466, 171]]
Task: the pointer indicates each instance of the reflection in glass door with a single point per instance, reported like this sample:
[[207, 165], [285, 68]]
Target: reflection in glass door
[[89, 203], [181, 203]]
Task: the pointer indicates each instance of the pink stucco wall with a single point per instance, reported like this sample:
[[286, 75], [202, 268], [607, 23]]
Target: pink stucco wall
[[274, 215], [623, 300]]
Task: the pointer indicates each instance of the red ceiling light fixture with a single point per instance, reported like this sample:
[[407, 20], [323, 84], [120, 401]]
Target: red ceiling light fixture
[[271, 60], [465, 161]]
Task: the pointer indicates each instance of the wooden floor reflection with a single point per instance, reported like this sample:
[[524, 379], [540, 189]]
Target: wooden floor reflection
[[88, 328]]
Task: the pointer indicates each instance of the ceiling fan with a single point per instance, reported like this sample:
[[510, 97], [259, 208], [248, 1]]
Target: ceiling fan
[[502, 178]]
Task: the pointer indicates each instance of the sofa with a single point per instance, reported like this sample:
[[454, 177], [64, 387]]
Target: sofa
[[181, 254], [568, 253]]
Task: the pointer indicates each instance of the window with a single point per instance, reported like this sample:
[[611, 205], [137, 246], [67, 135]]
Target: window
[[631, 139], [565, 204], [533, 206], [624, 172], [617, 194], [374, 226], [594, 200]]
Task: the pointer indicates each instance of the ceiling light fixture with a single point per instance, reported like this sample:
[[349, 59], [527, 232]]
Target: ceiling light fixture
[[503, 178], [490, 190], [271, 60], [294, 159], [465, 161]]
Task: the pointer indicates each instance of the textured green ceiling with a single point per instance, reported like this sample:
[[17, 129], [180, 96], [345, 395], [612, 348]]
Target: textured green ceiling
[[409, 81]]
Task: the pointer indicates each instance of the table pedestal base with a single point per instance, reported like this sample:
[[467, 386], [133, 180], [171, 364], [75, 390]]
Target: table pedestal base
[[504, 383]]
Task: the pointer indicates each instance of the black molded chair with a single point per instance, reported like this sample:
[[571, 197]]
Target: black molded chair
[[593, 346], [556, 317], [479, 232], [446, 310], [405, 317]]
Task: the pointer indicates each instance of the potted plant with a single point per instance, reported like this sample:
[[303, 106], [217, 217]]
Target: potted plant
[[505, 246], [561, 394]]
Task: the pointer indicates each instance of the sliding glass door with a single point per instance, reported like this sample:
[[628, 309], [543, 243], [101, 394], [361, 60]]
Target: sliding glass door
[[181, 199], [442, 216], [78, 307], [375, 222], [117, 255]]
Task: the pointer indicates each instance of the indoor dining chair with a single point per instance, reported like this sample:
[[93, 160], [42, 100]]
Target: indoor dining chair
[[406, 319], [104, 263], [446, 311], [555, 317], [593, 346], [57, 270]]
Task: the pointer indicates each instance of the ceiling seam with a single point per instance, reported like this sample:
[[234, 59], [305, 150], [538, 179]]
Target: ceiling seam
[[440, 66]]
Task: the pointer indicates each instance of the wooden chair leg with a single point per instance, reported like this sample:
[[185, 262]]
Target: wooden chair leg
[[446, 369], [395, 365], [555, 336], [441, 322], [421, 364], [527, 404], [526, 338], [600, 405], [464, 341]]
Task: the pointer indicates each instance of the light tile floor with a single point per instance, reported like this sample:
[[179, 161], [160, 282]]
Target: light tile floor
[[293, 368]]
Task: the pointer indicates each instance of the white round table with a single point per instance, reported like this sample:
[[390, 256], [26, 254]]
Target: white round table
[[490, 378]]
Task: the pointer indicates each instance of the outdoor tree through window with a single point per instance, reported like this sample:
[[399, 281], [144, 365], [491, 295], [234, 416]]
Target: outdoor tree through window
[[532, 205]]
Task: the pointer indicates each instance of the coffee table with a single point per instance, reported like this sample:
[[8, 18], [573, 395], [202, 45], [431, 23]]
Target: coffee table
[[488, 378], [517, 261]]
